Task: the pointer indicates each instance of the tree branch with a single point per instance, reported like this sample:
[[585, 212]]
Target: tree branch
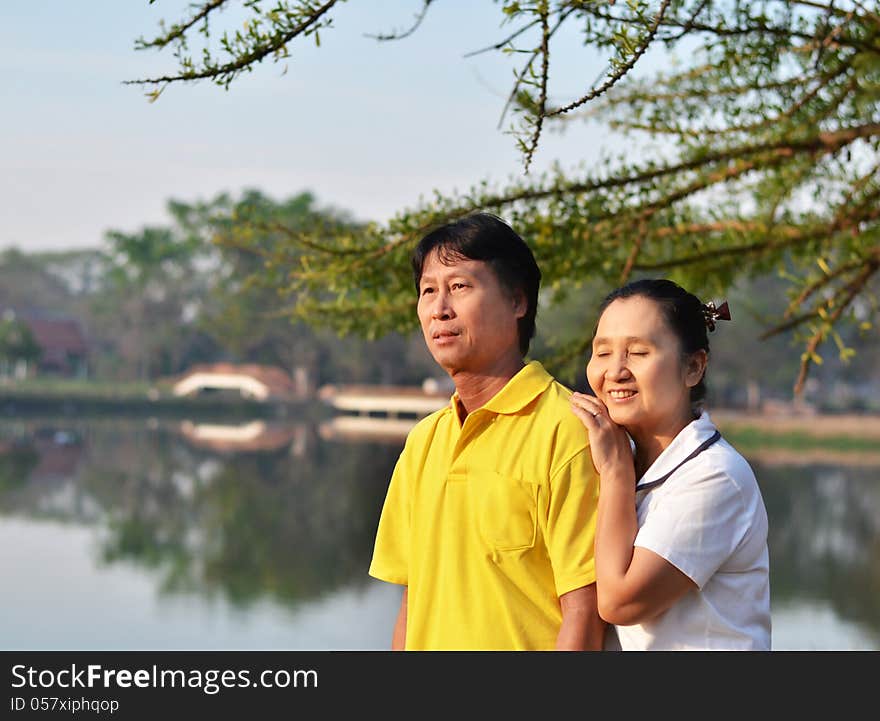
[[623, 69], [509, 38], [542, 97], [792, 235], [244, 61], [406, 33], [525, 69], [848, 293], [179, 31], [788, 114]]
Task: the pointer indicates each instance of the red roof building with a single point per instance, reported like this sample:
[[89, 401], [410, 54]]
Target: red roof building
[[63, 345]]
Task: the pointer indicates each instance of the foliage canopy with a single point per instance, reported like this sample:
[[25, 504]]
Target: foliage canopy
[[767, 159]]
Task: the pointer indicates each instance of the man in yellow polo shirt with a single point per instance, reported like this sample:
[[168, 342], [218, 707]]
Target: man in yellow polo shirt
[[490, 514]]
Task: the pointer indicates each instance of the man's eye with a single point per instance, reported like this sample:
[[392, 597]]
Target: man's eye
[[456, 286], [427, 290], [638, 352]]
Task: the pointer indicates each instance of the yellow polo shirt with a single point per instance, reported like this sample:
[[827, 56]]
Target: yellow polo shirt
[[488, 522]]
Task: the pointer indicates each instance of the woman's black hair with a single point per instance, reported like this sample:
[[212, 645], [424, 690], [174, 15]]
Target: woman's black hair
[[483, 236], [683, 312]]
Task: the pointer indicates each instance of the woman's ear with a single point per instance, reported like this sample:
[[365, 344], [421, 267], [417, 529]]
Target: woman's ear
[[696, 367]]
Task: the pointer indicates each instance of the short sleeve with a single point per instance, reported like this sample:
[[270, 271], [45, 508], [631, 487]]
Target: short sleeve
[[696, 524], [391, 549], [571, 523]]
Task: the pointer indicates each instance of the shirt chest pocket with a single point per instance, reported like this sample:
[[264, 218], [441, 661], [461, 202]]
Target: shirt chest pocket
[[508, 512]]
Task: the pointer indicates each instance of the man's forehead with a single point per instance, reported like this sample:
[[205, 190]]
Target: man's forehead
[[437, 264]]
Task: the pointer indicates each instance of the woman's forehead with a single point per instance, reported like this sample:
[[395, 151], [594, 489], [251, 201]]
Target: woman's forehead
[[632, 318]]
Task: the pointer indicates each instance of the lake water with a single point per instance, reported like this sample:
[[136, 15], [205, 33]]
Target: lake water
[[146, 534]]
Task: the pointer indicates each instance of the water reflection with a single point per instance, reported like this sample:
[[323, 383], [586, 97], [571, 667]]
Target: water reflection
[[273, 511], [269, 519], [825, 538]]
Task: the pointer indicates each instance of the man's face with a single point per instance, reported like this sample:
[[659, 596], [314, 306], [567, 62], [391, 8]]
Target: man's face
[[468, 318]]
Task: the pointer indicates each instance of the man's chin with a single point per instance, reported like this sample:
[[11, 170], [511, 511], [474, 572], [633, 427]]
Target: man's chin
[[451, 369], [447, 361]]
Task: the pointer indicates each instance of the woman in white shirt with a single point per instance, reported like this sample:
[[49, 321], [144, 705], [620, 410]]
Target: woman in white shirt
[[681, 536]]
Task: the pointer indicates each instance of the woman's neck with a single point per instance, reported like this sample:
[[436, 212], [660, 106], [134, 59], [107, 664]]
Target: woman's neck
[[650, 443]]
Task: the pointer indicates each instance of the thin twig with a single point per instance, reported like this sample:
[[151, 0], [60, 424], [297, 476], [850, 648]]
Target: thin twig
[[406, 33], [790, 239], [525, 69], [178, 31], [500, 44], [246, 60], [623, 69], [542, 97], [851, 290]]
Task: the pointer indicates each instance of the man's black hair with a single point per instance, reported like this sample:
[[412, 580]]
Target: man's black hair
[[485, 237]]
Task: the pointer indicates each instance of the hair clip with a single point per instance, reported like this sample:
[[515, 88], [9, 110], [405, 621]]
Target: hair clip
[[711, 314]]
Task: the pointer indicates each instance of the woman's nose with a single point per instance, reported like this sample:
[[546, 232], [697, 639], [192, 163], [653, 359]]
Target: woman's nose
[[617, 368]]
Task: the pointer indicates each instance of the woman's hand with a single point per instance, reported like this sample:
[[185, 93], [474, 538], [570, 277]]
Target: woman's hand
[[609, 443]]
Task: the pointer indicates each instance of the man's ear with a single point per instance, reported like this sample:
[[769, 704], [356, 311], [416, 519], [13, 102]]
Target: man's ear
[[696, 367], [520, 304]]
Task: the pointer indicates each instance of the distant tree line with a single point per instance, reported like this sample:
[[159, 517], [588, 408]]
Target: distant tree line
[[208, 287], [160, 299]]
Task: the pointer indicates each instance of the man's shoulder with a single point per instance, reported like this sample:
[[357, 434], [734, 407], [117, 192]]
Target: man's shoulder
[[554, 402], [425, 427], [554, 410]]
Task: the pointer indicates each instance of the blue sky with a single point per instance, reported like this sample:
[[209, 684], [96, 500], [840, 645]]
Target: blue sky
[[368, 127]]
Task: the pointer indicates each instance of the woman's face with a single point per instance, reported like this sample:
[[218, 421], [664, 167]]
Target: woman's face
[[636, 368]]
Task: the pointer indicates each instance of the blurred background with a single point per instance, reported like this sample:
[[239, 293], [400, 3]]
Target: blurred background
[[185, 463]]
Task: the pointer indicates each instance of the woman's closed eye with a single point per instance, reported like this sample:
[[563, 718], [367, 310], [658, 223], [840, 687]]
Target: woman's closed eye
[[605, 353]]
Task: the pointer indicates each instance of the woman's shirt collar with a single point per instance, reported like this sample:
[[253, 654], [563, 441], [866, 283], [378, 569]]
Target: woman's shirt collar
[[686, 442]]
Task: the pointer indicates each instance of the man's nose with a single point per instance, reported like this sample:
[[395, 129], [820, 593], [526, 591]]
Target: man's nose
[[440, 308]]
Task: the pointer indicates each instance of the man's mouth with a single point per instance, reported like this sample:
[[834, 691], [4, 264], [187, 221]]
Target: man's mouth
[[444, 336]]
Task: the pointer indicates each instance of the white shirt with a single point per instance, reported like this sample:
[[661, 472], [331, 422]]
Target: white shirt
[[708, 520]]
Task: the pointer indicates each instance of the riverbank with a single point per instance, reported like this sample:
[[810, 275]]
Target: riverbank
[[803, 440], [853, 425], [74, 398], [795, 432]]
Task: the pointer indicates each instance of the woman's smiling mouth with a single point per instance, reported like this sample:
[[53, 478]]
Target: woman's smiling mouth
[[621, 394]]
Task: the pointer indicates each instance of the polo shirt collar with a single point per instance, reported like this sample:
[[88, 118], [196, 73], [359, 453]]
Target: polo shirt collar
[[685, 443], [528, 383]]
